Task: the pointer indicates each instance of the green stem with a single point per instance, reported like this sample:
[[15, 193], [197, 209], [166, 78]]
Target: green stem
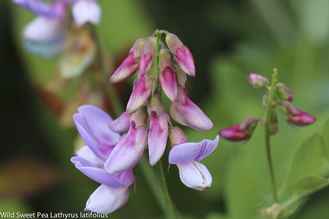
[[270, 162], [170, 211], [108, 88], [270, 105]]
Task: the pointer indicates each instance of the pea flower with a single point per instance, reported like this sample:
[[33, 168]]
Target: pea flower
[[94, 126], [46, 35], [187, 156]]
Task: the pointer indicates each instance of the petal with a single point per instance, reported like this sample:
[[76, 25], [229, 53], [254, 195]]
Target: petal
[[168, 82], [126, 68], [98, 123], [140, 94], [187, 152], [128, 151], [98, 174], [183, 56], [87, 154], [45, 36], [185, 112], [121, 124], [195, 175], [56, 10], [106, 200], [86, 11], [157, 136]]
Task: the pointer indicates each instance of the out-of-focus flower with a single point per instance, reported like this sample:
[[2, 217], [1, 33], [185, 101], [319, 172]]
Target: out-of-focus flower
[[285, 92], [47, 34], [257, 80], [239, 132], [187, 156]]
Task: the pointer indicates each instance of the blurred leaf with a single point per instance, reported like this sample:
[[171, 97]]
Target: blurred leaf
[[216, 216], [25, 176]]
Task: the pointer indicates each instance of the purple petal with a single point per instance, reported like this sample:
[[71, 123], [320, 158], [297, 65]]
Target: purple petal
[[93, 126], [56, 10], [121, 124], [187, 152], [157, 136], [98, 174], [195, 175], [86, 11], [128, 151], [140, 94], [87, 154], [105, 200], [185, 112]]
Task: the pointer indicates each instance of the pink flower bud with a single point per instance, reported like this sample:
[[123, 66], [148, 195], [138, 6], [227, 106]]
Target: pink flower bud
[[157, 136], [146, 56], [298, 117], [182, 54], [284, 92], [167, 76], [141, 92], [121, 124], [177, 136], [187, 113], [239, 132], [257, 80], [129, 65]]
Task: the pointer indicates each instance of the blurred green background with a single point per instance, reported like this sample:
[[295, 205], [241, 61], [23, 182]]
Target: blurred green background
[[229, 39]]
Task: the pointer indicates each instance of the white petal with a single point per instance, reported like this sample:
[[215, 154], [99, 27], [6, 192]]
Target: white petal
[[89, 156], [195, 175], [106, 200], [85, 11]]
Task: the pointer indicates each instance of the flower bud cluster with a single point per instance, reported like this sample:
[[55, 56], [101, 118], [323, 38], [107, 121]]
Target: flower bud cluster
[[278, 95]]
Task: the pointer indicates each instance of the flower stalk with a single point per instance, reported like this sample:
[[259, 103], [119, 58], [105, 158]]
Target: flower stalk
[[268, 122]]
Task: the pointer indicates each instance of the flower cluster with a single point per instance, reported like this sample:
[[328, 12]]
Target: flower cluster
[[278, 95], [114, 147], [46, 35]]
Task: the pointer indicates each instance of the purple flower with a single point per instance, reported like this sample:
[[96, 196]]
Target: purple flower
[[187, 157], [128, 150], [183, 56], [40, 8], [187, 113], [298, 117], [121, 124], [106, 200]]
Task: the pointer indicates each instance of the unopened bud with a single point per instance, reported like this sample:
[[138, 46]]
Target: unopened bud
[[298, 117], [177, 136], [285, 92], [257, 80], [240, 132]]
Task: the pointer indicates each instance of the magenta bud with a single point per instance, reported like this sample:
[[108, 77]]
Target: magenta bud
[[182, 54], [129, 65], [141, 92], [285, 92], [257, 80], [239, 132], [168, 79], [298, 117], [187, 113]]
